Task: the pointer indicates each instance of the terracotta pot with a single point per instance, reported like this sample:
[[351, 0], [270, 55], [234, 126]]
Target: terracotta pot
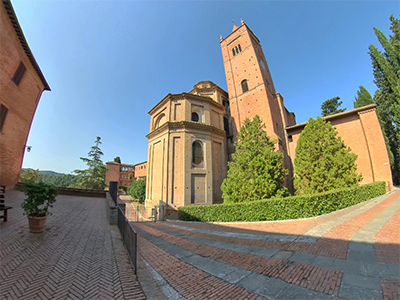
[[37, 224]]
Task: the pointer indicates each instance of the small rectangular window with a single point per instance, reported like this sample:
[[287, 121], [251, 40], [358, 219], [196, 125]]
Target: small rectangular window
[[290, 138], [3, 113], [19, 73]]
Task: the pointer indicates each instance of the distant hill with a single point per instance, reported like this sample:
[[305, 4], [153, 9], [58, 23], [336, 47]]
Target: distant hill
[[46, 172], [55, 178], [51, 173]]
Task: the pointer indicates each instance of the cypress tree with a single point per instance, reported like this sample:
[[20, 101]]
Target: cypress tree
[[323, 162], [363, 97], [386, 71], [256, 171]]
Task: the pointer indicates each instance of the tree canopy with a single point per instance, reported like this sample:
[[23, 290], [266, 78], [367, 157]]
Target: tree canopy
[[30, 175], [331, 106], [94, 176], [323, 162], [137, 189], [256, 171], [363, 97], [386, 71], [117, 159]]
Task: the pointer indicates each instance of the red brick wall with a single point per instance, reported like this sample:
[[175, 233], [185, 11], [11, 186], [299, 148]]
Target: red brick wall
[[21, 101], [141, 170], [360, 130], [121, 172], [112, 173]]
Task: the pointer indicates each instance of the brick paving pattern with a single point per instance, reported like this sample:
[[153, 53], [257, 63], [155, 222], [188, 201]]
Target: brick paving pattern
[[387, 241], [303, 267], [79, 256], [314, 278]]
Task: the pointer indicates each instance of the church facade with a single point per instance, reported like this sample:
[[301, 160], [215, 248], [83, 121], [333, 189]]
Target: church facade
[[192, 134]]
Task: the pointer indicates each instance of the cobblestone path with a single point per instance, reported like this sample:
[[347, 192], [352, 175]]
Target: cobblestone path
[[349, 254]]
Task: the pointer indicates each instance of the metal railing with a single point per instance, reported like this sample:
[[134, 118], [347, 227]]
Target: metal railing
[[129, 237]]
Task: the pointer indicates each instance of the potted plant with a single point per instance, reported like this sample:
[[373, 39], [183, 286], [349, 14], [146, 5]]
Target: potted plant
[[40, 197]]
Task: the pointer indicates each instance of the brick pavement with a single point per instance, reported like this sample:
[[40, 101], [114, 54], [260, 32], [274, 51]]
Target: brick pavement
[[343, 262], [79, 256]]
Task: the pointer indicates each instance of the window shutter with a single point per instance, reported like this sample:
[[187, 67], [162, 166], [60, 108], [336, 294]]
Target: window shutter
[[3, 113]]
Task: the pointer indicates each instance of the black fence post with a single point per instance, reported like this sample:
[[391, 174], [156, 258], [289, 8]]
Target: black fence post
[[113, 190]]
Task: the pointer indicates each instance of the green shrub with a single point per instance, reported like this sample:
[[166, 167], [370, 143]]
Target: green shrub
[[39, 197], [124, 188], [304, 206]]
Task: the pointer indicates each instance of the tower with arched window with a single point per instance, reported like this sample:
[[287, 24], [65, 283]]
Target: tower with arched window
[[251, 89], [187, 154]]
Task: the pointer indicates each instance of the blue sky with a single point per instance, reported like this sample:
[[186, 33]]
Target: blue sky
[[109, 62]]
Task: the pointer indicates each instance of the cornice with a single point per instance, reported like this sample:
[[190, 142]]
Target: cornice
[[18, 31], [358, 110], [184, 96], [185, 125], [367, 111]]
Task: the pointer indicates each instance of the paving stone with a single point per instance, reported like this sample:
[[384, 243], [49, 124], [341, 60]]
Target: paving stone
[[283, 254], [368, 282], [236, 275], [367, 256], [295, 292], [264, 252], [305, 258], [212, 267], [358, 293]]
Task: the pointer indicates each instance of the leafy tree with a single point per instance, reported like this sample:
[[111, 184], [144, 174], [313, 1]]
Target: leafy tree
[[30, 175], [386, 71], [65, 180], [93, 177], [323, 162], [331, 106], [256, 171], [137, 189], [117, 159], [363, 97]]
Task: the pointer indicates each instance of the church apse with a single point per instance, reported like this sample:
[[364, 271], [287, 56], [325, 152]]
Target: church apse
[[187, 156]]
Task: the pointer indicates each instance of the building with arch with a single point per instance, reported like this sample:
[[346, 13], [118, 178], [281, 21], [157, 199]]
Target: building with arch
[[192, 134]]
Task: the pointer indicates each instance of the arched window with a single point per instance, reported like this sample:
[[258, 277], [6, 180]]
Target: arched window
[[195, 117], [236, 50], [160, 121], [197, 153], [245, 88]]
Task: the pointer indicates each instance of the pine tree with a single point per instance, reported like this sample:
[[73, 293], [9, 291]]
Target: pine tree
[[363, 97], [256, 171], [93, 177], [323, 162], [386, 70], [331, 106]]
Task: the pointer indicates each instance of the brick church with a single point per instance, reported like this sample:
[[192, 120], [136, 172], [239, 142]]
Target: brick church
[[192, 134]]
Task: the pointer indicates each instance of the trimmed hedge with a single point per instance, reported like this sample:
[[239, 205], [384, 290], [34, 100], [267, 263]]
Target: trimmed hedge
[[295, 207]]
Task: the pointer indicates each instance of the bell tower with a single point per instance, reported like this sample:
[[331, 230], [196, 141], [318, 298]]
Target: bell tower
[[251, 89], [250, 86]]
